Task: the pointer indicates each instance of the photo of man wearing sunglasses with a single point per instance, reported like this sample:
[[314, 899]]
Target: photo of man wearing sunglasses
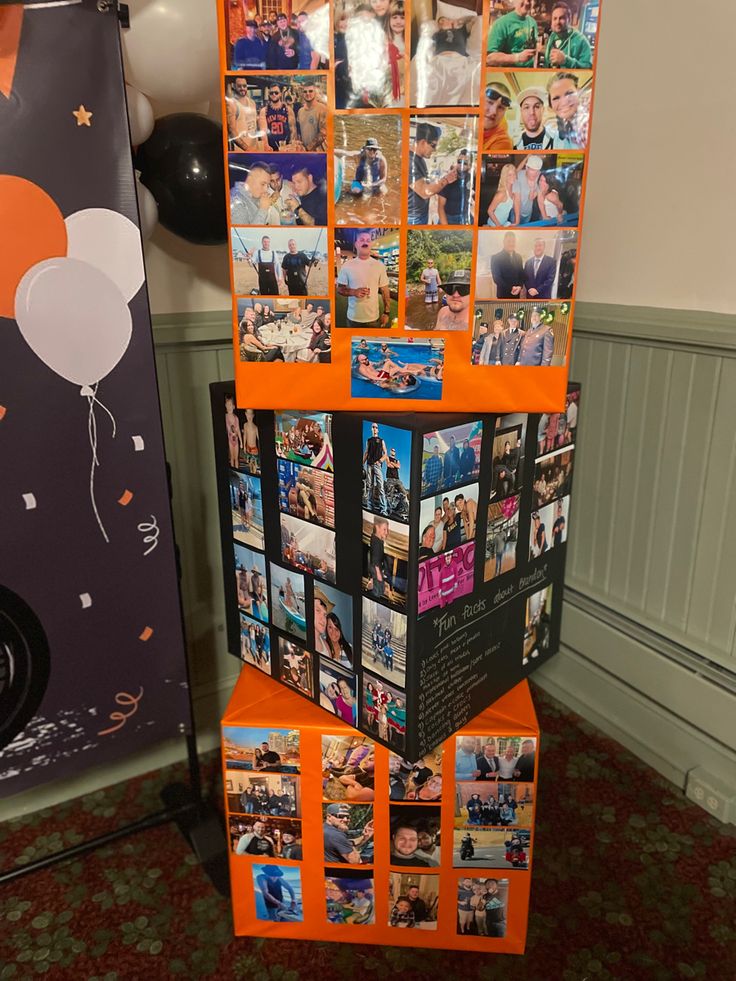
[[497, 100], [454, 313], [421, 188]]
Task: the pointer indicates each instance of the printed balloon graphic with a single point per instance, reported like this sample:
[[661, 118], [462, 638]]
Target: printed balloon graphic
[[74, 318], [31, 229], [110, 242]]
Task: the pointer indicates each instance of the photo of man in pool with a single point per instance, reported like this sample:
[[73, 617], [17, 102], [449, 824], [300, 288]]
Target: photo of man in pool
[[415, 369]]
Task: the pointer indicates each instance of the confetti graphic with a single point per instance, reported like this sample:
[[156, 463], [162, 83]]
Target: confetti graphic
[[30, 502]]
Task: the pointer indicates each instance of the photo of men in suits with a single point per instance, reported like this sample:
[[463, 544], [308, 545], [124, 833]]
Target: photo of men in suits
[[525, 264]]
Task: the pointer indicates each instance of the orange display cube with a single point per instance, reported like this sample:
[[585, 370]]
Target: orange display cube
[[334, 837]]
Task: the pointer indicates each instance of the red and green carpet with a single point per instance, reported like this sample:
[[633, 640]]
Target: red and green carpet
[[630, 881]]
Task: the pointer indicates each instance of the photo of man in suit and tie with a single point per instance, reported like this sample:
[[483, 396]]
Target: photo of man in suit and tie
[[525, 264]]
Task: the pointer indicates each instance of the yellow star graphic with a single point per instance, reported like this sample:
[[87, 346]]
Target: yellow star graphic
[[83, 116]]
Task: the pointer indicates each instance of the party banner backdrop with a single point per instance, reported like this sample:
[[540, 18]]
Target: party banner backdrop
[[92, 660], [407, 176]]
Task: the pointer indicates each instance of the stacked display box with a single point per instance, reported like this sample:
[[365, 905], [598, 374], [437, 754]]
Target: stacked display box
[[403, 572], [334, 837]]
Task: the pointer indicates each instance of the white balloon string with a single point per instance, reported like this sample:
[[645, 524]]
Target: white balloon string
[[92, 431], [103, 406]]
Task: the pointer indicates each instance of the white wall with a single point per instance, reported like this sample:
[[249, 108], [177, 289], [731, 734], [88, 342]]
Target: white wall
[[661, 197]]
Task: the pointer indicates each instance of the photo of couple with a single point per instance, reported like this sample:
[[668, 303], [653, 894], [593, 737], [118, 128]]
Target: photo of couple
[[338, 692], [333, 625], [264, 750], [255, 644]]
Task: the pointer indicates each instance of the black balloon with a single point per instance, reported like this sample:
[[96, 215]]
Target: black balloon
[[24, 664], [181, 165]]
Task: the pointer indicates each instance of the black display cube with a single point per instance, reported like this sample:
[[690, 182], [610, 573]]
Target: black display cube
[[403, 571]]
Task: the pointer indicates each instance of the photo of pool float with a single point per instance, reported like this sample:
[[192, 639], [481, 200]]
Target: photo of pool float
[[297, 618], [379, 371]]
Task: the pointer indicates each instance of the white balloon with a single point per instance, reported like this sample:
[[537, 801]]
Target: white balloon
[[170, 50], [140, 116], [147, 209], [74, 318], [111, 242]]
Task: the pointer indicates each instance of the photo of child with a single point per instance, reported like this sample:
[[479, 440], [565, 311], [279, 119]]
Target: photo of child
[[242, 438], [348, 765], [413, 900], [247, 509], [369, 54], [350, 898]]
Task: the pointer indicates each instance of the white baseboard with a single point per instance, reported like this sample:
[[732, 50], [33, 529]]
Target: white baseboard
[[670, 743]]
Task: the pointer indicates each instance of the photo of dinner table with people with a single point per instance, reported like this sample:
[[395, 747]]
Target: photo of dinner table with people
[[285, 331]]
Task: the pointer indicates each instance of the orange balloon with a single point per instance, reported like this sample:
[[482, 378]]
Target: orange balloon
[[33, 229]]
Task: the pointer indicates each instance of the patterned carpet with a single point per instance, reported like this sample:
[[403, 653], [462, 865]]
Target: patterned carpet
[[630, 882]]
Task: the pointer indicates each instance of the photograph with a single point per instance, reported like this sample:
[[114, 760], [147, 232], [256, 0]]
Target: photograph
[[438, 279], [415, 835], [306, 493], [265, 749], [367, 161], [385, 559], [546, 110], [386, 466], [444, 578], [305, 437], [296, 667], [555, 430], [348, 764], [271, 794], [250, 582], [557, 34], [413, 899], [289, 189], [446, 45], [288, 610], [553, 476], [531, 189], [481, 758], [571, 413], [242, 438], [415, 371], [278, 892], [266, 837], [502, 804], [347, 832], [420, 782], [481, 907], [366, 277], [338, 692], [452, 518], [549, 527], [491, 848], [272, 263], [333, 625], [537, 624], [308, 547], [247, 509], [509, 332], [384, 651], [288, 331], [276, 113], [528, 264], [369, 54], [502, 536], [451, 457], [508, 457], [443, 152], [276, 41], [350, 898], [255, 644], [384, 707]]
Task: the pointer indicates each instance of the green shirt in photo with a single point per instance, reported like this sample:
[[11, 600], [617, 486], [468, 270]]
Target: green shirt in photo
[[511, 34], [576, 48]]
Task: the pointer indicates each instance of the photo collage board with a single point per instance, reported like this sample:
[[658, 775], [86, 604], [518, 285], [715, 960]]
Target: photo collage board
[[410, 174], [355, 550], [328, 829]]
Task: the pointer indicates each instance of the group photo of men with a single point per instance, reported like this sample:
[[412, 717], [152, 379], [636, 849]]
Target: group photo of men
[[528, 334], [542, 33], [451, 457], [442, 165], [290, 190], [272, 113], [277, 41]]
